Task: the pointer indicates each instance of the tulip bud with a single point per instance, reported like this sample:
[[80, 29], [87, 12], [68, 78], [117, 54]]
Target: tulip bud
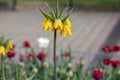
[[21, 64], [45, 64], [69, 74], [35, 70], [118, 72], [82, 63], [69, 65]]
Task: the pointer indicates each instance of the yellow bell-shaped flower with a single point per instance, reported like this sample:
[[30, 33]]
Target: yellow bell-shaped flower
[[9, 45], [58, 24], [63, 32], [44, 20], [67, 22], [2, 50], [47, 25], [68, 30]]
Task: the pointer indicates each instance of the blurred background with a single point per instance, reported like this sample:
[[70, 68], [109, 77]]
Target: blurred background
[[94, 23]]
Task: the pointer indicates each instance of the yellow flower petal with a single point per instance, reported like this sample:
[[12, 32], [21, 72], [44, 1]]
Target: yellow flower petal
[[9, 45], [47, 25], [44, 20], [51, 27], [58, 24], [63, 32], [67, 22], [2, 50], [68, 30]]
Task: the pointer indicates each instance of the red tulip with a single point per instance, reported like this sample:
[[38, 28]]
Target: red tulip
[[106, 48], [116, 48], [41, 55], [10, 54], [106, 61], [67, 54], [26, 44], [115, 63], [30, 56], [97, 74]]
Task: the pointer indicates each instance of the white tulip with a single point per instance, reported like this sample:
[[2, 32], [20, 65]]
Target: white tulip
[[43, 42]]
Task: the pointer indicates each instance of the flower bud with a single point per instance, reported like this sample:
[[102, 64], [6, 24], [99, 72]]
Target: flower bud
[[82, 63], [26, 44], [45, 64], [69, 74], [2, 50], [69, 65], [118, 72], [41, 55], [9, 45], [21, 64], [35, 70]]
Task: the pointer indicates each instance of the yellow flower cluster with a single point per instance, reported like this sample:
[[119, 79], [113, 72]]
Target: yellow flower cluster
[[5, 48], [63, 26], [2, 50]]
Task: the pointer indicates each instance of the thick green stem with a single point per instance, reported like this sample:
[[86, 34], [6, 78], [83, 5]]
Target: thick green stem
[[54, 54]]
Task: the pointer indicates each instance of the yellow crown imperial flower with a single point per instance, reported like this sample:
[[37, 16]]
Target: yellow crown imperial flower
[[58, 24], [2, 50], [67, 22], [44, 20], [9, 45], [57, 20], [63, 32], [47, 25], [66, 30]]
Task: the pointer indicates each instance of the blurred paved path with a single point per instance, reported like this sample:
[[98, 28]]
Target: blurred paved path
[[90, 29]]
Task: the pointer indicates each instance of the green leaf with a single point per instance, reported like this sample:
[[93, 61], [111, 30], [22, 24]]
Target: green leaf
[[31, 78], [57, 6], [5, 43], [51, 10], [2, 40], [61, 12], [67, 15], [9, 76], [46, 15]]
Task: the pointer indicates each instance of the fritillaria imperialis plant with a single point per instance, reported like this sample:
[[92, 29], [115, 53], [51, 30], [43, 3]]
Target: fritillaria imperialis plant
[[55, 20], [5, 46]]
